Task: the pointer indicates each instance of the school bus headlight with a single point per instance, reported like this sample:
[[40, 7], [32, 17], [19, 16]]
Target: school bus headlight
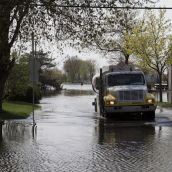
[[111, 102], [150, 101], [150, 98]]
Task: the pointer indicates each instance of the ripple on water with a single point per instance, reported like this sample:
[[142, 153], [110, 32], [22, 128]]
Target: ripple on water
[[71, 138], [148, 152]]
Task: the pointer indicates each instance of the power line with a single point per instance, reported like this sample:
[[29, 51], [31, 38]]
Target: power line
[[101, 7], [109, 7]]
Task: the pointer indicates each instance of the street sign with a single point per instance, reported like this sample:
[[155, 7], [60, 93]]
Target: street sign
[[34, 67]]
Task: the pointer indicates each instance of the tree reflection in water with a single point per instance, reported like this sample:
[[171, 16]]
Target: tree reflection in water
[[18, 131], [77, 92]]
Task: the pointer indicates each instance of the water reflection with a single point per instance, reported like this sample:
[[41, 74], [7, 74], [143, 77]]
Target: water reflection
[[77, 87], [71, 137], [112, 132], [131, 146], [1, 124], [17, 131]]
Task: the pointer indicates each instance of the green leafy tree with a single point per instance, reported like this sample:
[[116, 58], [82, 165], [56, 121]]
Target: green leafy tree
[[18, 18], [52, 77], [105, 29], [48, 74], [18, 81], [108, 33], [150, 43], [44, 59], [72, 68], [91, 69], [78, 70], [87, 70], [18, 87]]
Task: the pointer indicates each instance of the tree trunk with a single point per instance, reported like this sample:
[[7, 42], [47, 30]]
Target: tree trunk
[[160, 87], [5, 47], [6, 65], [2, 86], [126, 58]]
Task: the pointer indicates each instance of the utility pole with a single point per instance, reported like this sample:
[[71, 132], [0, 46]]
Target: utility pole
[[169, 83], [33, 78], [34, 68]]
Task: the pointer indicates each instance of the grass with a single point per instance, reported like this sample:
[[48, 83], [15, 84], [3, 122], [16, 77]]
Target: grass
[[16, 110], [165, 104]]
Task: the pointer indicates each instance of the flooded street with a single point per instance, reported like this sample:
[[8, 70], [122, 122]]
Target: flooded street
[[70, 136]]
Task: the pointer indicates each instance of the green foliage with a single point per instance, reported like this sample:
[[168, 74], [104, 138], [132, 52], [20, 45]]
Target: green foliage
[[44, 60], [51, 77], [150, 42], [18, 19], [18, 85], [18, 80], [48, 74], [71, 67], [19, 88], [28, 97], [104, 29], [78, 70]]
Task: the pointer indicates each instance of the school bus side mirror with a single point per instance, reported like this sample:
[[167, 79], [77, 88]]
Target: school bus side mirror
[[96, 82]]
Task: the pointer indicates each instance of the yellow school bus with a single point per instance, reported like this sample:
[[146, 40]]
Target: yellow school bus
[[123, 90]]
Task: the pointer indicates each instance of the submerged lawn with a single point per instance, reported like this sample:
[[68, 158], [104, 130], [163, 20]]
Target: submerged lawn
[[16, 110], [165, 104]]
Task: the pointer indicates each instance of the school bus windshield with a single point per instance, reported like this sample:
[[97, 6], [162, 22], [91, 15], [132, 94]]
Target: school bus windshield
[[125, 79]]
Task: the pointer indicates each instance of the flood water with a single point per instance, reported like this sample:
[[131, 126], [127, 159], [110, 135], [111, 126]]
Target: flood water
[[70, 136]]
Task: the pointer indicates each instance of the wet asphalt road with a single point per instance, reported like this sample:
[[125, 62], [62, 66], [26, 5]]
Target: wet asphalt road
[[70, 137]]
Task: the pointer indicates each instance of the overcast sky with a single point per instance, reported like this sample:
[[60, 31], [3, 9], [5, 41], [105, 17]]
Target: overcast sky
[[166, 3], [98, 57]]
